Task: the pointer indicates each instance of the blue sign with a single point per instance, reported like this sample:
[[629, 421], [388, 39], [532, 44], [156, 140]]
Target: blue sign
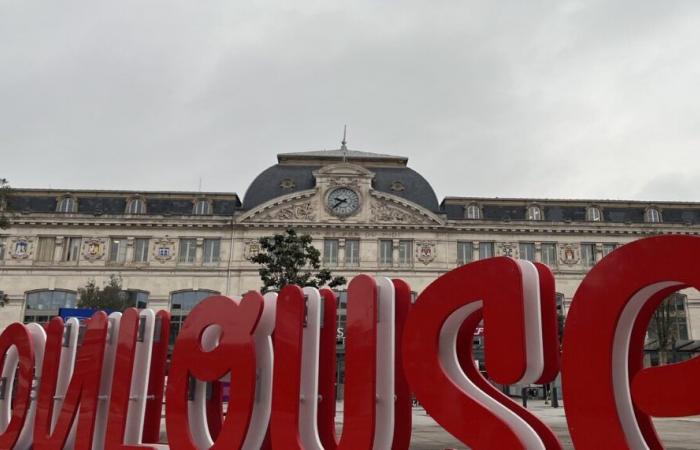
[[79, 313]]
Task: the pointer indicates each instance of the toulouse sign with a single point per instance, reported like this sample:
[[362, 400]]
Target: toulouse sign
[[104, 388]]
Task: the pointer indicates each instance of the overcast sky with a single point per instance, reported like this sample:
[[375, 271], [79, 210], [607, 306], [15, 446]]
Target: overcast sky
[[565, 99]]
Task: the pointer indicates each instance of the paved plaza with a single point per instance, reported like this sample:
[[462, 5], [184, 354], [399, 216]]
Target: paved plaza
[[676, 434]]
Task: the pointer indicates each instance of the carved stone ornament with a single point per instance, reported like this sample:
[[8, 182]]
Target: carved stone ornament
[[21, 248], [383, 212], [251, 248], [425, 251], [344, 181], [397, 186], [570, 254], [94, 249], [288, 183], [509, 249], [299, 212], [164, 250]]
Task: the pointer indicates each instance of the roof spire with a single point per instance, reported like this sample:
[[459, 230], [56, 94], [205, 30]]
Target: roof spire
[[343, 143]]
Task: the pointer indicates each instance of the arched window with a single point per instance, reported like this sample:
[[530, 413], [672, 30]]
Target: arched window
[[202, 207], [136, 298], [136, 205], [473, 211], [42, 305], [593, 214], [67, 204], [652, 215], [181, 303], [534, 212], [186, 300]]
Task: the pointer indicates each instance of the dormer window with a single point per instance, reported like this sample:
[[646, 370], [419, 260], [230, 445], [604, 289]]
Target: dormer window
[[202, 207], [67, 204], [652, 215], [534, 212], [593, 214], [136, 205], [473, 212]]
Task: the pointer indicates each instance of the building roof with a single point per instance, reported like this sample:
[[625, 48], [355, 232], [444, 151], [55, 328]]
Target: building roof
[[341, 154]]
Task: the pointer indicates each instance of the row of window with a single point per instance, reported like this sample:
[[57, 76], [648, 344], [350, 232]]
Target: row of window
[[385, 256], [535, 212], [117, 254], [548, 252], [48, 302], [136, 205]]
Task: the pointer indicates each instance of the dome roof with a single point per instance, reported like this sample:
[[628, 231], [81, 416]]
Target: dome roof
[[294, 173]]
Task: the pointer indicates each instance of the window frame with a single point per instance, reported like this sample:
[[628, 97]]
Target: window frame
[[465, 256], [534, 213], [388, 258], [653, 215], [592, 247], [41, 241], [67, 204], [180, 251], [331, 250], [491, 245], [67, 255], [526, 245], [202, 201], [473, 212], [594, 214], [405, 252], [549, 245], [215, 257], [349, 260], [117, 257], [135, 257], [135, 206]]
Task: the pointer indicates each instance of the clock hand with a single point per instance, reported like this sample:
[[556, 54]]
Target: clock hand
[[338, 201]]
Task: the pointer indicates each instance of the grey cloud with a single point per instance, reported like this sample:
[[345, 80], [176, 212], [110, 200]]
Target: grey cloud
[[529, 99]]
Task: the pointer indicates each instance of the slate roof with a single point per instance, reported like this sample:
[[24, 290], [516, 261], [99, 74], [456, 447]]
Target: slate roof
[[269, 184], [114, 202], [339, 154]]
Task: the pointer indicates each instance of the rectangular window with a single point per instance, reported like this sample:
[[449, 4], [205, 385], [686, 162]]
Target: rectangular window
[[405, 252], [141, 250], [527, 251], [549, 254], [588, 255], [608, 248], [46, 247], [117, 250], [386, 249], [71, 248], [211, 250], [330, 251], [464, 252], [2, 248], [485, 250], [352, 252], [188, 250]]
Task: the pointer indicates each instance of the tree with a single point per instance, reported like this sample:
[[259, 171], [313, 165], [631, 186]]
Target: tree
[[663, 325], [291, 259], [110, 297], [5, 190]]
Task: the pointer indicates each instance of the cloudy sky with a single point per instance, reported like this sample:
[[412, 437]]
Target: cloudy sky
[[566, 99]]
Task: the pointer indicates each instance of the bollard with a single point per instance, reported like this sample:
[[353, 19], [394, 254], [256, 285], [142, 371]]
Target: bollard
[[523, 393], [555, 398]]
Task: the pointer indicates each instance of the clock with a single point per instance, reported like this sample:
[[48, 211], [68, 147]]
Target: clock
[[343, 201]]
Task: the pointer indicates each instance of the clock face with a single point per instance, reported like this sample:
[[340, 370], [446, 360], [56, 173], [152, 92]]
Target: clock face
[[343, 201]]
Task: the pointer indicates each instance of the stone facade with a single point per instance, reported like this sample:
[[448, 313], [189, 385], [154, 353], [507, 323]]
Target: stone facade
[[198, 242]]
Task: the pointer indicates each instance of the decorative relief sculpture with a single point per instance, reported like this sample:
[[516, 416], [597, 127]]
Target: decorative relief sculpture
[[344, 181], [251, 248], [570, 254], [21, 248], [164, 250], [93, 249], [509, 249], [425, 251], [301, 212], [383, 212]]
